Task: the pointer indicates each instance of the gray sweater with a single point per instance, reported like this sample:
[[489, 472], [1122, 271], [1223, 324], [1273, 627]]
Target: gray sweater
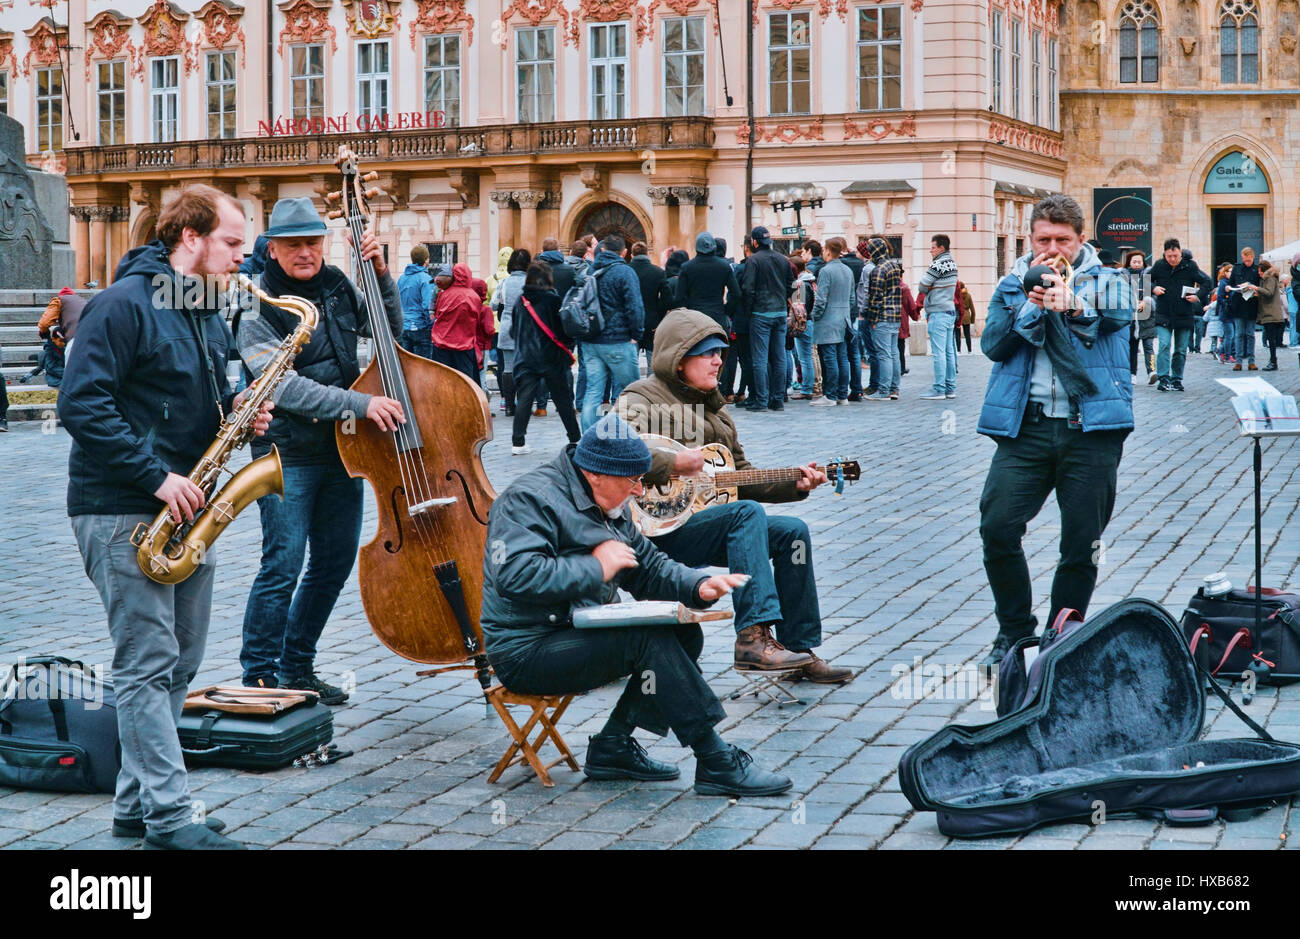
[[835, 303], [939, 284]]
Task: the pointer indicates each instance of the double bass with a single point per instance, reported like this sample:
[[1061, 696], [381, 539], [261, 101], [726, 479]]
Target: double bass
[[422, 575]]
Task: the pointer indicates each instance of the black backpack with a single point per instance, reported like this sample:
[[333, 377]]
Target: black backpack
[[58, 727], [1222, 635]]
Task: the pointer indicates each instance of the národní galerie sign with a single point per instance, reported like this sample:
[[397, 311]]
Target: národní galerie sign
[[1121, 219], [345, 123], [1236, 172]]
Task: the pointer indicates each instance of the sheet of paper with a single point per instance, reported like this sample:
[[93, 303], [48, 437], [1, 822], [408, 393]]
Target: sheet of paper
[[1250, 385]]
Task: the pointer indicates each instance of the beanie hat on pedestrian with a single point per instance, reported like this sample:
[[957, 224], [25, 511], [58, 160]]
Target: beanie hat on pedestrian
[[66, 292], [612, 448], [704, 243], [863, 250]]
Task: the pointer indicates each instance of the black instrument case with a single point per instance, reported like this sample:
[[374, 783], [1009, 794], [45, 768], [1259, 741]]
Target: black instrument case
[[253, 741], [1116, 721]]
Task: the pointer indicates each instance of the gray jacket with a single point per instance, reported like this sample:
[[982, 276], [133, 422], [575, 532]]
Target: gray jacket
[[503, 301], [835, 303], [538, 565]]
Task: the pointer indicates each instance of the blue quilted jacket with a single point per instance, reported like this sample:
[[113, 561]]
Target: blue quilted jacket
[[1014, 333]]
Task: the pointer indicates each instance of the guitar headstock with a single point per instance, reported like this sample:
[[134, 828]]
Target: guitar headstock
[[850, 471], [352, 201]]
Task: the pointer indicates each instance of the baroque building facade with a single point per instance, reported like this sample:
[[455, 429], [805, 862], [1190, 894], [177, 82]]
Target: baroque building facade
[[501, 122]]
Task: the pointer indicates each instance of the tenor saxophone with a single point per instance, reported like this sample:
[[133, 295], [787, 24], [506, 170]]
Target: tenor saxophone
[[171, 551]]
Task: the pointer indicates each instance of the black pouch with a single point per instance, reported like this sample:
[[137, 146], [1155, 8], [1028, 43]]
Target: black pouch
[[1221, 634], [58, 727]]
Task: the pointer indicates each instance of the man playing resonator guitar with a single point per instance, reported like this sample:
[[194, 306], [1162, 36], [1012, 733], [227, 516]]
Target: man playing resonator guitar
[[681, 401]]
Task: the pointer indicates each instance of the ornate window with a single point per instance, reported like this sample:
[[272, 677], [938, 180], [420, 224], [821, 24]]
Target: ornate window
[[880, 58], [112, 102], [221, 94], [307, 81], [1239, 42], [164, 98], [789, 66], [1139, 42], [442, 77], [49, 109], [4, 92], [1015, 68], [608, 63], [535, 70], [372, 79], [684, 66], [1036, 75], [1051, 84], [995, 65]]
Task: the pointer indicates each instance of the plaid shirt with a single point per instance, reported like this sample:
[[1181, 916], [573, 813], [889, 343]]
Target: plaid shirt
[[884, 293]]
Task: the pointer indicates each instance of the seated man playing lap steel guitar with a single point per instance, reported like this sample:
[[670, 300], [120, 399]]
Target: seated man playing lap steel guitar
[[681, 400], [561, 537]]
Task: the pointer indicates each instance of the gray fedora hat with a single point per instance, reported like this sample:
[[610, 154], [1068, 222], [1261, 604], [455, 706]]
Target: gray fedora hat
[[295, 218]]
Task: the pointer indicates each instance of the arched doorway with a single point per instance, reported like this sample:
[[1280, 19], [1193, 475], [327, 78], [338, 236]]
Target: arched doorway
[[143, 231], [611, 218]]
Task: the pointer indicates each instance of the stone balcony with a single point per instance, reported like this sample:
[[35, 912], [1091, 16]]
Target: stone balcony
[[452, 143]]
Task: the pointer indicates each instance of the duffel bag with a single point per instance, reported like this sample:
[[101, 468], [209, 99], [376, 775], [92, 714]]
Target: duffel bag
[[58, 727], [1221, 632]]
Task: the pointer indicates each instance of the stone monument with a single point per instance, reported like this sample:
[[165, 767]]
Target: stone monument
[[34, 249]]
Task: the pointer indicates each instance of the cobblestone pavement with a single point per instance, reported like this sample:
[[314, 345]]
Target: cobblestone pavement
[[899, 574]]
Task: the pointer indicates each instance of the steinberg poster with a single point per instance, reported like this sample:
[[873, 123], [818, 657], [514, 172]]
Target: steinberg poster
[[1121, 220]]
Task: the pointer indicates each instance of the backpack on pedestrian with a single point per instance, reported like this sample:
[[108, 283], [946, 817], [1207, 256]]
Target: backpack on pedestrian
[[580, 313]]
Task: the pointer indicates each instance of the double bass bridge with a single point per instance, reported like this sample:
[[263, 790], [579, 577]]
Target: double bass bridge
[[421, 508]]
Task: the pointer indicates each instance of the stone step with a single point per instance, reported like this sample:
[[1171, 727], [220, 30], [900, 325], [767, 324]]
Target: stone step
[[32, 412], [19, 335], [17, 355], [36, 297], [21, 315]]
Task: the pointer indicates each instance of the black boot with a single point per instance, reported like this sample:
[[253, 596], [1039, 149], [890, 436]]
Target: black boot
[[619, 756], [508, 392], [731, 772]]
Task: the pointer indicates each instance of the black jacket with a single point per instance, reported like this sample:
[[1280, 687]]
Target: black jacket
[[855, 264], [1241, 274], [765, 282], [655, 296], [562, 273], [1172, 311], [539, 565], [708, 284], [534, 350], [138, 392]]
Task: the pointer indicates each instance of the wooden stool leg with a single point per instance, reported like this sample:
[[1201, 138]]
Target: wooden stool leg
[[523, 750], [504, 713]]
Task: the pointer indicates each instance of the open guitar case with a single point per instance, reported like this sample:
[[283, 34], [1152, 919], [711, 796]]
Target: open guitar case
[[1114, 716]]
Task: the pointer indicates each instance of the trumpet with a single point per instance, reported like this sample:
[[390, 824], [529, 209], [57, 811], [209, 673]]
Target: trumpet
[[170, 551], [1057, 264]]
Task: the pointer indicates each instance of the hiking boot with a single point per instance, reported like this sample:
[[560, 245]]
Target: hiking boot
[[731, 772], [821, 672], [328, 694], [758, 650], [134, 827], [619, 756], [190, 838]]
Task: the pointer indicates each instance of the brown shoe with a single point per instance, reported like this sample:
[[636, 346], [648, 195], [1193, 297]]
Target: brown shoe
[[758, 650], [1237, 367], [1252, 367], [540, 412], [822, 672]]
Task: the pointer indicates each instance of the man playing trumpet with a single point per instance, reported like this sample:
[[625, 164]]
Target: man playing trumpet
[[1059, 405]]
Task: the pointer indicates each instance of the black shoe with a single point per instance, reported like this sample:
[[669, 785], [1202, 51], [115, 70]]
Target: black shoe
[[776, 407], [616, 756], [190, 838], [754, 408], [1177, 385], [1162, 385], [855, 396], [1002, 644], [134, 827], [4, 426], [731, 772], [1270, 367], [263, 681], [328, 693]]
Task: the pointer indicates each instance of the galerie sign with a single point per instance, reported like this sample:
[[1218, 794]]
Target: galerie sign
[[1121, 220], [345, 123]]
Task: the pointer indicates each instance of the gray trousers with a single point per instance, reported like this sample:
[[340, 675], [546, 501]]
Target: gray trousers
[[158, 635]]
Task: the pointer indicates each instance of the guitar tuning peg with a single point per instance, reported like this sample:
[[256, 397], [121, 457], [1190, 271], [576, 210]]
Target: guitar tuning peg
[[371, 193], [334, 213], [333, 196], [370, 177]]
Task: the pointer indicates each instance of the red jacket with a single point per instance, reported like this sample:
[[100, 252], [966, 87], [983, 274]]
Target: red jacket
[[459, 315]]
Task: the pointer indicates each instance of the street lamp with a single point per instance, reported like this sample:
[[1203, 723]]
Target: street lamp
[[797, 198]]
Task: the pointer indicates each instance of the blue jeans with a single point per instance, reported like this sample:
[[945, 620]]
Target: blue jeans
[[835, 370], [1245, 341], [1229, 343], [767, 347], [803, 349], [943, 348], [854, 350], [159, 632], [321, 508], [613, 360], [1171, 344], [873, 363], [742, 537], [418, 341], [884, 336]]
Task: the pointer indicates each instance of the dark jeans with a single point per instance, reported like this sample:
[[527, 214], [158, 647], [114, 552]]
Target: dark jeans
[[418, 342], [1245, 351], [1148, 353], [321, 509], [52, 363], [853, 349], [527, 384], [738, 360], [835, 370], [665, 690], [767, 347], [958, 331], [869, 349], [743, 538], [464, 361], [1082, 468], [902, 355]]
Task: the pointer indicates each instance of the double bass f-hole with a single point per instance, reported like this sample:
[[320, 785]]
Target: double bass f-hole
[[469, 499], [397, 519]]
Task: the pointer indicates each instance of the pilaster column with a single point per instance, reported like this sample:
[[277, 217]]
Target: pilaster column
[[662, 236], [689, 199], [99, 247], [505, 219], [529, 200], [81, 243], [119, 235]]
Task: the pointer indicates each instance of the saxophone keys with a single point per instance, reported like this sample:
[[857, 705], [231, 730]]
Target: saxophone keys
[[156, 565], [223, 511]]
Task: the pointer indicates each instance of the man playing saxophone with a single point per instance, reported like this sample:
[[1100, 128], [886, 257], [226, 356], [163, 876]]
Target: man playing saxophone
[[322, 505], [142, 398]]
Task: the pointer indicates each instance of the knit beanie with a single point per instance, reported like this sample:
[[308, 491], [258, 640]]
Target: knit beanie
[[612, 448]]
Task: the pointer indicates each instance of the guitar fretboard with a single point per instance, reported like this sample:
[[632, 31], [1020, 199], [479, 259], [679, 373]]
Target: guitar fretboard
[[756, 477]]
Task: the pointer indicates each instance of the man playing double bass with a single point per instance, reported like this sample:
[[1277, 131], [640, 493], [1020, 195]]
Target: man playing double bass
[[322, 504]]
